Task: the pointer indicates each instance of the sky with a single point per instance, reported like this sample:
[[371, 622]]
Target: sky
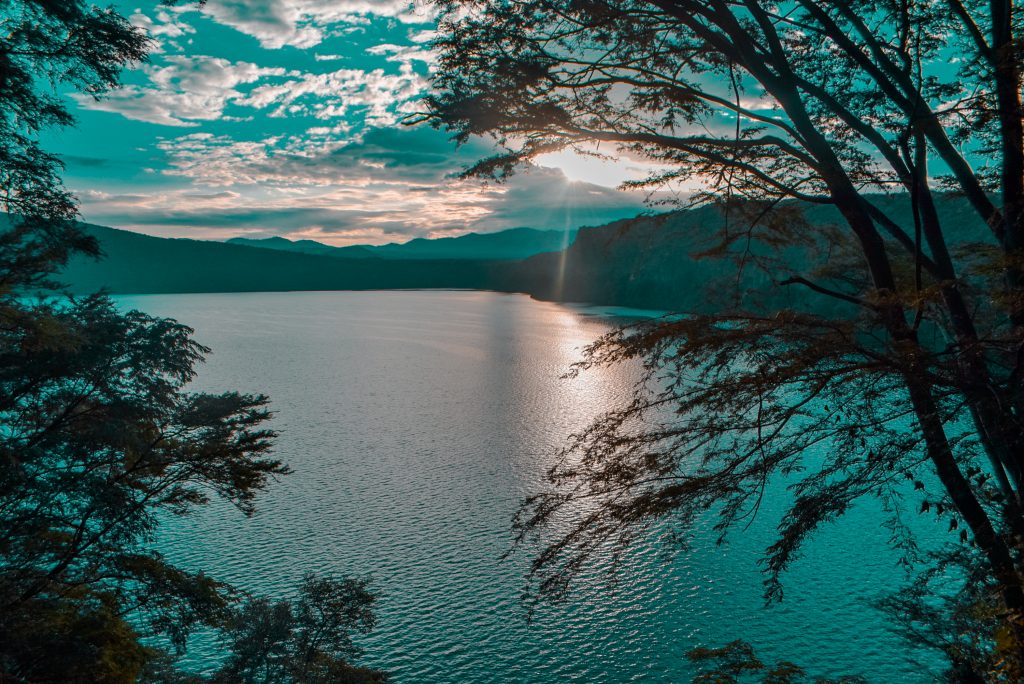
[[284, 117]]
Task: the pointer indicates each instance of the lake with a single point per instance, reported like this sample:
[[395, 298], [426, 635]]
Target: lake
[[415, 421]]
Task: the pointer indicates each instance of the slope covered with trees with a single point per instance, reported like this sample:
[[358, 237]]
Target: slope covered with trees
[[141, 264], [671, 261], [829, 103]]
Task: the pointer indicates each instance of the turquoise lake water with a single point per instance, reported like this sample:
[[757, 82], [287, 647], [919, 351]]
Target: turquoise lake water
[[414, 422]]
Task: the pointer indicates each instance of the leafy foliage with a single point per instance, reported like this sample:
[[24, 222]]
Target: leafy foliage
[[51, 43], [99, 436], [910, 389], [736, 662], [98, 439], [308, 640]]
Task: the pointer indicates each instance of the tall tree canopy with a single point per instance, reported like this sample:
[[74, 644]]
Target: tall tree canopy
[[770, 106], [46, 45], [99, 436]]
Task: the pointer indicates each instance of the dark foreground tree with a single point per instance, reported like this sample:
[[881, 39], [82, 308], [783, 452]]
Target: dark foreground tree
[[45, 45], [772, 107], [737, 662], [99, 437], [308, 640]]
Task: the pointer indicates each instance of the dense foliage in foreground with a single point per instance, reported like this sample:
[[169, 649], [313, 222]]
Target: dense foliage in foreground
[[100, 438], [914, 378]]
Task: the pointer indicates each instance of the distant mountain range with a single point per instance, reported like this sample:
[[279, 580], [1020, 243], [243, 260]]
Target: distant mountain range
[[646, 262], [142, 264], [304, 247], [515, 243]]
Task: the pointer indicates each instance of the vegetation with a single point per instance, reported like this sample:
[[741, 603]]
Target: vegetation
[[907, 387], [644, 262], [307, 640], [135, 263], [737, 662], [513, 243], [99, 437]]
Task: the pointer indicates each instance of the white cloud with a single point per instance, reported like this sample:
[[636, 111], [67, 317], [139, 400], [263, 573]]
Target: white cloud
[[306, 23], [336, 94], [608, 167], [424, 36], [219, 161], [386, 185], [183, 91], [352, 175], [405, 54], [165, 23], [166, 27]]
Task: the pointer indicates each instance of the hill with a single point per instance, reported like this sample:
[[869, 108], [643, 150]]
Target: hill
[[304, 247], [515, 243], [142, 264], [644, 262], [648, 262]]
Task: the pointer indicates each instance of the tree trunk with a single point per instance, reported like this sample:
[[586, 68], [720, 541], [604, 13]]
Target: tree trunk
[[1004, 571], [1011, 131]]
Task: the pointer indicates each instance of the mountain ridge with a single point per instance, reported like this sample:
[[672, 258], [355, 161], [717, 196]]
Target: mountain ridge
[[512, 243], [303, 247], [645, 262]]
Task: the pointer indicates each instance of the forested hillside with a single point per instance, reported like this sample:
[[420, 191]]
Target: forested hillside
[[670, 261]]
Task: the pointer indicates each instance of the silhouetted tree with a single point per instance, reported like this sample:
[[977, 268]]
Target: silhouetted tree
[[770, 106], [737, 662], [305, 641], [99, 437], [45, 45]]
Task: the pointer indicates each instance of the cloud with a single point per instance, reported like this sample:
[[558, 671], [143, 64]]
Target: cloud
[[319, 156], [405, 54], [359, 215], [165, 25], [122, 199], [85, 161], [185, 90], [307, 23], [544, 197], [182, 91], [330, 160], [378, 96], [389, 184]]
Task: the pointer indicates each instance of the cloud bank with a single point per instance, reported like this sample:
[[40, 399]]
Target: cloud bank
[[283, 117], [390, 185]]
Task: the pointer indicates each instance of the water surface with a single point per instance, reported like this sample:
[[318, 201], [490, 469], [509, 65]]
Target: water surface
[[414, 423]]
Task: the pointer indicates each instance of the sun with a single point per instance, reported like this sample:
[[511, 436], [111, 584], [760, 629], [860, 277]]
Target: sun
[[584, 168]]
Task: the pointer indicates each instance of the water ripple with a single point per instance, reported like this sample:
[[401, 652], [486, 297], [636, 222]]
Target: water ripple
[[414, 422]]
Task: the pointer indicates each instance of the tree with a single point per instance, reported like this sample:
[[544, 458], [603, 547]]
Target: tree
[[773, 106], [99, 436], [308, 640], [72, 44], [99, 439], [736, 662]]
